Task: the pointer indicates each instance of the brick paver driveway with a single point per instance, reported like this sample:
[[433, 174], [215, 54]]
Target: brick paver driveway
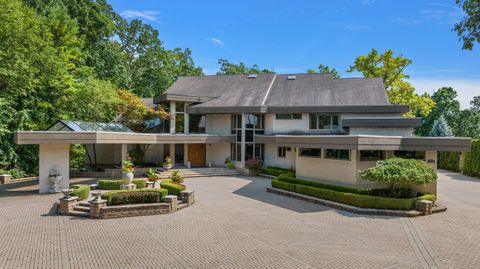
[[236, 224]]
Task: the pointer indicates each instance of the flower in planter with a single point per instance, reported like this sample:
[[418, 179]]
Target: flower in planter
[[152, 175], [168, 161], [127, 166], [176, 177]]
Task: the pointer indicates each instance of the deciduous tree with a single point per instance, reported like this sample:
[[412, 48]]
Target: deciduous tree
[[468, 29]]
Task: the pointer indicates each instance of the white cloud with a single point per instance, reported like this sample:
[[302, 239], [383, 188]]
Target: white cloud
[[146, 14], [466, 88], [217, 42]]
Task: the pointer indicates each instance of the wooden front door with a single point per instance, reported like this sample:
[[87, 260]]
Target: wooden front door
[[196, 154]]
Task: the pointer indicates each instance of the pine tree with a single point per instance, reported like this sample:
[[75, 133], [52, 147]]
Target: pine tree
[[441, 128]]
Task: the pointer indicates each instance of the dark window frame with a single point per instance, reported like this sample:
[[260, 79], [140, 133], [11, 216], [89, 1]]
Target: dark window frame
[[308, 152], [316, 121], [338, 154], [377, 156], [288, 116]]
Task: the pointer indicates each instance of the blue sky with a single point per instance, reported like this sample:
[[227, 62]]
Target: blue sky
[[293, 36]]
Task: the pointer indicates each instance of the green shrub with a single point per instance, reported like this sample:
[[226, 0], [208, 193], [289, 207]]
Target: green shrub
[[359, 200], [471, 160], [116, 184], [81, 191], [275, 171], [176, 177], [254, 164], [15, 173], [400, 171], [230, 165], [172, 187], [449, 160], [121, 197]]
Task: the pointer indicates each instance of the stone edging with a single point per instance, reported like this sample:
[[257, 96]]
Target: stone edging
[[353, 209]]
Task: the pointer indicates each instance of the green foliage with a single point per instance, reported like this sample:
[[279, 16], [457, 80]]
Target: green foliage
[[441, 128], [77, 156], [15, 173], [449, 160], [400, 171], [142, 196], [152, 174], [172, 187], [116, 184], [468, 29], [230, 165], [359, 200], [254, 164], [127, 166], [228, 68], [471, 160], [176, 177], [391, 69], [324, 69], [276, 171], [81, 191]]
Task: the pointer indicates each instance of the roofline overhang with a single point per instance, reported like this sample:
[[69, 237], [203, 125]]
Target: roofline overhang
[[341, 109], [180, 98], [226, 110], [366, 142], [382, 122], [61, 137]]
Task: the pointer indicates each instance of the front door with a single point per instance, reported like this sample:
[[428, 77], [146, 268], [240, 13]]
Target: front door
[[196, 154]]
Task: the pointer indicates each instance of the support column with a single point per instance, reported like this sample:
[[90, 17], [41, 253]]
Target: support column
[[431, 160], [48, 157], [172, 119], [123, 152], [242, 145], [185, 155]]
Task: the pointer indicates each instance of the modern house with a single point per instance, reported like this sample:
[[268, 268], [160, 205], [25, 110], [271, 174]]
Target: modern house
[[327, 129]]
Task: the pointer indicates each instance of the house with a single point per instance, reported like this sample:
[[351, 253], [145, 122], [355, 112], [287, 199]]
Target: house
[[325, 128]]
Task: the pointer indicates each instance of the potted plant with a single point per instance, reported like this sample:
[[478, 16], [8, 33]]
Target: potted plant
[[128, 169], [153, 176], [55, 178], [176, 177], [167, 164]]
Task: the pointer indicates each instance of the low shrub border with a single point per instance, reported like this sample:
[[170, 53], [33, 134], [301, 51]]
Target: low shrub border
[[140, 196], [81, 191], [355, 199], [276, 171], [172, 187], [116, 184]]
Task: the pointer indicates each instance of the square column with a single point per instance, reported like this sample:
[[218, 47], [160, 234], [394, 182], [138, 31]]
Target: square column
[[48, 157], [242, 145], [172, 119], [185, 155], [123, 152]]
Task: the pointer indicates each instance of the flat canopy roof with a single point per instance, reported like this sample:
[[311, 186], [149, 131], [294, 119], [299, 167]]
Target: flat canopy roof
[[356, 142]]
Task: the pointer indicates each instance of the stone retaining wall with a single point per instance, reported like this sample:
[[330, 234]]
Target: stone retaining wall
[[121, 211]]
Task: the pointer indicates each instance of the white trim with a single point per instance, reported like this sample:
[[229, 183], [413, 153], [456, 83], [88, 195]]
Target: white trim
[[268, 91]]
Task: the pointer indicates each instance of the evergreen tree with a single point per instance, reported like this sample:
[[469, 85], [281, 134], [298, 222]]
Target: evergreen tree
[[441, 128]]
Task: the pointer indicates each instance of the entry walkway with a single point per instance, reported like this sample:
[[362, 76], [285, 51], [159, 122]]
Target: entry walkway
[[236, 224]]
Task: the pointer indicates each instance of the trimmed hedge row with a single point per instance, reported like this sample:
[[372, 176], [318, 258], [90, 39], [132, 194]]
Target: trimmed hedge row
[[172, 187], [471, 160], [276, 171], [116, 184], [292, 180], [140, 196], [359, 200], [81, 191], [449, 160]]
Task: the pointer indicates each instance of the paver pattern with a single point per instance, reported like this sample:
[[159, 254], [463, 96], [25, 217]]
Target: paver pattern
[[236, 224]]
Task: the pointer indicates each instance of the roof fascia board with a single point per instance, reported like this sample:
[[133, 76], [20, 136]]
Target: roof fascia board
[[382, 122]]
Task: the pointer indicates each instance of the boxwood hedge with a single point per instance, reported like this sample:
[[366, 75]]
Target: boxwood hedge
[[172, 187], [355, 199], [116, 184], [81, 191], [275, 171], [139, 196]]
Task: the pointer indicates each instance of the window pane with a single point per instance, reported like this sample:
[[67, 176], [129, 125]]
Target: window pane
[[239, 121], [249, 136], [341, 154], [324, 121], [371, 155], [180, 123], [179, 107], [297, 116], [283, 116], [334, 124], [239, 152], [239, 135], [232, 151], [250, 121], [260, 119], [248, 152], [259, 151], [313, 121], [310, 152], [196, 124]]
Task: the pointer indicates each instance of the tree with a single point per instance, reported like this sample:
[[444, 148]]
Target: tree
[[468, 29], [228, 68], [469, 125], [391, 69], [324, 69], [446, 105], [441, 128], [475, 103], [398, 171]]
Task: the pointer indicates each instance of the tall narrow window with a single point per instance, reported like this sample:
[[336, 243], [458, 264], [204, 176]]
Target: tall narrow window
[[281, 152]]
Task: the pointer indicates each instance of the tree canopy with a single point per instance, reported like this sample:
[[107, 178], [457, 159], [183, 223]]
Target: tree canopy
[[228, 68], [468, 29], [324, 69]]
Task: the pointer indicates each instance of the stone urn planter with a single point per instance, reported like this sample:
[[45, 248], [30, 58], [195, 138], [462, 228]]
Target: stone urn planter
[[128, 178], [168, 166], [55, 180], [156, 184]]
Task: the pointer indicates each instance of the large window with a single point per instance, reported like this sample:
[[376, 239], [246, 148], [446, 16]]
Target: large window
[[294, 116], [338, 154], [324, 122], [371, 155], [254, 124], [311, 152], [179, 117], [196, 124]]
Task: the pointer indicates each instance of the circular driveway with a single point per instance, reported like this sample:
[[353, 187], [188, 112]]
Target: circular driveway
[[235, 223]]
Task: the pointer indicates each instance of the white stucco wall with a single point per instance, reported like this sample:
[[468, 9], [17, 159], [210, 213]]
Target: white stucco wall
[[217, 153], [50, 156], [218, 123], [273, 125], [271, 157]]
